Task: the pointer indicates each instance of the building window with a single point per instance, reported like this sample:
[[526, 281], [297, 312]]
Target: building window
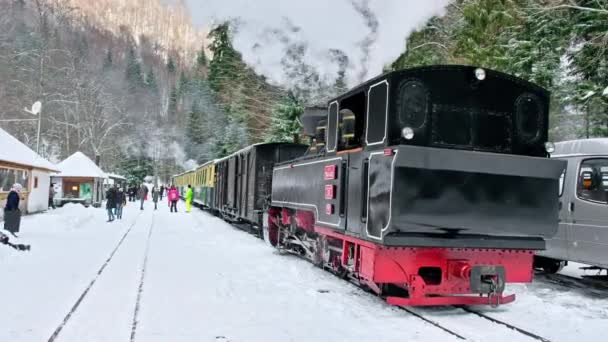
[[8, 177], [35, 182]]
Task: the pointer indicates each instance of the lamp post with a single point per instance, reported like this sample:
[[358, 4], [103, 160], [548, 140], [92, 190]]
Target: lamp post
[[36, 110]]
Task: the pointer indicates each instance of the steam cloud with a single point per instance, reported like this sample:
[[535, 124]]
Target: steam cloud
[[371, 21]]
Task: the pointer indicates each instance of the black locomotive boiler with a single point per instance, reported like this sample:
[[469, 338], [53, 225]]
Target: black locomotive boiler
[[429, 186]]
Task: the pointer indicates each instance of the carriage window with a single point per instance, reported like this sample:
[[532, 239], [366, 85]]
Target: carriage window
[[592, 182], [351, 122]]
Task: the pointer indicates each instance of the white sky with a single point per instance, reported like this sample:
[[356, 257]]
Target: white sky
[[324, 24]]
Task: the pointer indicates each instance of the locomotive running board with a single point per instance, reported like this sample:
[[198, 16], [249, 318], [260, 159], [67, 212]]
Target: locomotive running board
[[452, 300]]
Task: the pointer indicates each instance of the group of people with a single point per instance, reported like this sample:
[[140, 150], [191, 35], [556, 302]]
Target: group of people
[[12, 218], [116, 199]]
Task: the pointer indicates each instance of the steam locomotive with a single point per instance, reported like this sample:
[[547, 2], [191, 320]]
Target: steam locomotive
[[427, 186]]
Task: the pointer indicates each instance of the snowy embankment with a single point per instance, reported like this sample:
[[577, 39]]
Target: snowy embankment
[[39, 287], [192, 277]]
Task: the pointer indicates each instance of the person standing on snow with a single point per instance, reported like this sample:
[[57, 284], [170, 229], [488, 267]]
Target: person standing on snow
[[51, 196], [143, 193], [155, 195], [162, 190], [189, 198], [12, 214], [121, 201], [131, 192], [111, 203], [173, 197]]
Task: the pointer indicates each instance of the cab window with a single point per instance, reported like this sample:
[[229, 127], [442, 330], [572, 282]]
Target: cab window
[[592, 184], [351, 122]]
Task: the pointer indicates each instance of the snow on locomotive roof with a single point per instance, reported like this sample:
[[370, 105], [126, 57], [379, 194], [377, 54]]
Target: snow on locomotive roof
[[16, 152], [79, 165], [597, 146]]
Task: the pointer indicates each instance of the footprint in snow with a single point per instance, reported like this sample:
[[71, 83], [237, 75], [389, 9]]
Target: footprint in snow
[[221, 339]]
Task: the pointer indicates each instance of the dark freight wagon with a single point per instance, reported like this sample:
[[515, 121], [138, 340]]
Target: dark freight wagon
[[243, 180]]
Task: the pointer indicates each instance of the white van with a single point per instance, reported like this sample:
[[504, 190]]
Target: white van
[[583, 229]]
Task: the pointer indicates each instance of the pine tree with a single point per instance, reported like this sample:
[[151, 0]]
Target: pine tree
[[133, 72], [151, 80], [195, 129], [171, 65], [285, 123], [184, 83], [226, 60], [173, 100]]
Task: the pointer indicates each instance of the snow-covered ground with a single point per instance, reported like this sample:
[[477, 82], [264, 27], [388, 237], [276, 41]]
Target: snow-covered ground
[[204, 280]]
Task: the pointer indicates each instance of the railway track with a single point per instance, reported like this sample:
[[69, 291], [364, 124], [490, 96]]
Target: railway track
[[592, 286], [140, 288], [462, 322], [56, 333], [473, 326]]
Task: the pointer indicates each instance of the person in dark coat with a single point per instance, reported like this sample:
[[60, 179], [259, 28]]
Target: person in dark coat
[[162, 190], [132, 191], [121, 201], [143, 193], [155, 195], [111, 203], [51, 196], [12, 214]]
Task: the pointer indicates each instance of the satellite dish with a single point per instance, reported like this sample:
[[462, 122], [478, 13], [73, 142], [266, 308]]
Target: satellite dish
[[36, 107]]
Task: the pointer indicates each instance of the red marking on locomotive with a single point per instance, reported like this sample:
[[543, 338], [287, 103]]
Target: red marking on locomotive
[[377, 265], [389, 152], [329, 209], [330, 172], [330, 192]]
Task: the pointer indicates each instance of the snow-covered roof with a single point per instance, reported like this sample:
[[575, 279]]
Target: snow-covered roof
[[16, 152], [598, 146], [115, 176], [79, 165]]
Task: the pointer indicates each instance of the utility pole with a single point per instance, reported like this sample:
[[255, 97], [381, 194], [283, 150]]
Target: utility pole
[[38, 134]]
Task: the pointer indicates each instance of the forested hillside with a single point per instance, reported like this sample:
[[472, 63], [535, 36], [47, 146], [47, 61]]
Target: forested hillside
[[559, 44], [133, 82]]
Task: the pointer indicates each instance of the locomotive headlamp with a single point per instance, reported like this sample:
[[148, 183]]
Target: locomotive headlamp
[[408, 133], [549, 147], [480, 74]]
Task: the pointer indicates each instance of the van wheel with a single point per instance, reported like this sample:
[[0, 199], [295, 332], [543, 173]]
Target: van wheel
[[553, 266]]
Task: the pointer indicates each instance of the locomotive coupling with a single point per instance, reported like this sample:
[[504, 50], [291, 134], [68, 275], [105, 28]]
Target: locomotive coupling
[[487, 279]]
